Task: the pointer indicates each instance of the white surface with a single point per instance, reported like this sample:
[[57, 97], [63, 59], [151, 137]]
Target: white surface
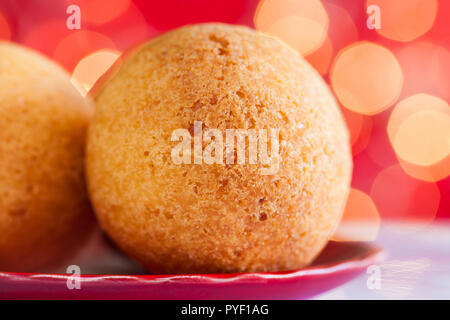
[[417, 266]]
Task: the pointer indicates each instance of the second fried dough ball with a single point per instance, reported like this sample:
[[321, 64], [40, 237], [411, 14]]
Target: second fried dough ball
[[45, 214]]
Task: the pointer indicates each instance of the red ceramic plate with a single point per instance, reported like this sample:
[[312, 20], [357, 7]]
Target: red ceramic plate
[[338, 263]]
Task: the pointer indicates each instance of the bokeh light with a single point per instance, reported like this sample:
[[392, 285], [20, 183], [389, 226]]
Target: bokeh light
[[341, 32], [366, 78], [419, 131], [361, 220], [426, 68], [128, 30], [423, 138], [321, 58], [413, 104], [405, 20], [5, 31], [364, 137], [379, 148], [79, 44], [432, 173], [92, 67], [365, 170], [440, 69], [342, 29], [53, 31], [398, 196], [100, 11], [290, 19], [360, 129]]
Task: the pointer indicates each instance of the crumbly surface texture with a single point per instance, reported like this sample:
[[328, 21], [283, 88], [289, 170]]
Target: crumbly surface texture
[[200, 218], [45, 213]]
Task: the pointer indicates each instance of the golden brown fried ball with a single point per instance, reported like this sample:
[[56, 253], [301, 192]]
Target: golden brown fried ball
[[194, 218], [44, 209]]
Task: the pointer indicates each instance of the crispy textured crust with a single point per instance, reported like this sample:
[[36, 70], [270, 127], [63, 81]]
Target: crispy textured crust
[[44, 208], [214, 218]]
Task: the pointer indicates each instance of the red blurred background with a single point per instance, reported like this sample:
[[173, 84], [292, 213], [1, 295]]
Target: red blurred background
[[388, 62]]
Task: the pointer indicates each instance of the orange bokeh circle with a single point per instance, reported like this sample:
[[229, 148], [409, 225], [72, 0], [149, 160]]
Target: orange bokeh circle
[[342, 29], [321, 58], [405, 20], [360, 129], [426, 67], [423, 138], [92, 67], [341, 32], [52, 30], [419, 131], [361, 219], [301, 23], [433, 173], [78, 44], [366, 78], [399, 196]]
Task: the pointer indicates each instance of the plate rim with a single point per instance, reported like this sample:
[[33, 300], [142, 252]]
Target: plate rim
[[373, 254]]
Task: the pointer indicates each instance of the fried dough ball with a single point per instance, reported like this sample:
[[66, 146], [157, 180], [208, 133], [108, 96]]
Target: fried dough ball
[[204, 218], [45, 213]]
